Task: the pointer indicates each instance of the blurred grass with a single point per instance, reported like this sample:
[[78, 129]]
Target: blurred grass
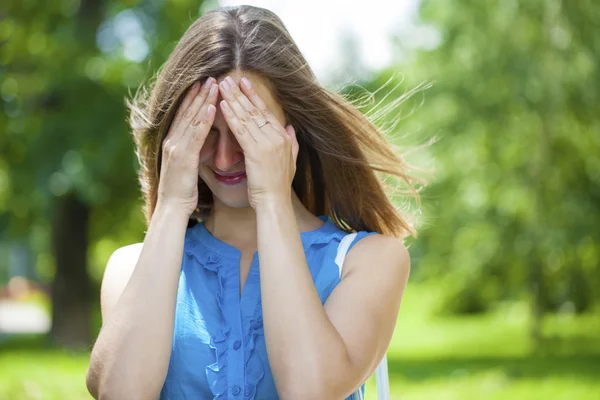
[[31, 369], [489, 356], [431, 357]]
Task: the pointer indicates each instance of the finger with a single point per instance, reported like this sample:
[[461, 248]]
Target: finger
[[241, 132], [274, 131], [227, 88], [197, 103], [197, 132], [201, 123], [255, 99], [192, 92], [253, 112]]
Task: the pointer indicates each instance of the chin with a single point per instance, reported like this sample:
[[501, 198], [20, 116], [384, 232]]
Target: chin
[[234, 197]]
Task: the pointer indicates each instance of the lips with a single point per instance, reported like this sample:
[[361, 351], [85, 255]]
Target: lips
[[231, 178], [229, 174]]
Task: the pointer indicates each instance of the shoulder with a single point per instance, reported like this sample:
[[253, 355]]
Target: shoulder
[[379, 251], [118, 270], [125, 253]]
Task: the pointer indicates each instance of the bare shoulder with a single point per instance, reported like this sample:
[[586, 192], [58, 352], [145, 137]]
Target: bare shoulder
[[118, 270], [383, 251]]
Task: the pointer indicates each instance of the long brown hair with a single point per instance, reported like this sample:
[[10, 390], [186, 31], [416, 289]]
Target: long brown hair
[[344, 158]]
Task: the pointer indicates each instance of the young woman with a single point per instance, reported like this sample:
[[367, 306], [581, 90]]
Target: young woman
[[257, 183]]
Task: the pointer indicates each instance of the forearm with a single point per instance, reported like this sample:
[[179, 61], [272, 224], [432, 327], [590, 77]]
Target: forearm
[[303, 346], [131, 355]]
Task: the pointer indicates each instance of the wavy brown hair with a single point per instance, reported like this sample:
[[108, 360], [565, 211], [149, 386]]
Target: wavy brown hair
[[344, 162]]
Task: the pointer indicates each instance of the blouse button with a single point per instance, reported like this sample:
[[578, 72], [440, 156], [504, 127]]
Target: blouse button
[[248, 390], [236, 390], [237, 344]]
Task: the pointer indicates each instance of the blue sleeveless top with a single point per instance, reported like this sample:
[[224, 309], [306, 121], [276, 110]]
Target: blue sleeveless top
[[219, 350]]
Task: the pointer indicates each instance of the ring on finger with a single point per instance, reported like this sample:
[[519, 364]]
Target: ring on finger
[[263, 124]]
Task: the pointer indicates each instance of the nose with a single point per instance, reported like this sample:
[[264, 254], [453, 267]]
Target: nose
[[228, 152]]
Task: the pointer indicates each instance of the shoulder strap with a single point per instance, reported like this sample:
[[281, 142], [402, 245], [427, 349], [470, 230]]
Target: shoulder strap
[[343, 250], [381, 374]]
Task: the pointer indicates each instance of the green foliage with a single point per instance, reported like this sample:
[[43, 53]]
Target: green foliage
[[513, 209], [66, 68]]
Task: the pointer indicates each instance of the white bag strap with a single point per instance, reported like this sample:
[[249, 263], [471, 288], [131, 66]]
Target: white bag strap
[[381, 374]]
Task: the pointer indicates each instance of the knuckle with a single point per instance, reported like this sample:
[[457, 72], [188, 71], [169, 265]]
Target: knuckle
[[188, 113], [265, 110], [196, 121], [201, 122], [170, 151], [175, 150], [167, 146], [254, 112]]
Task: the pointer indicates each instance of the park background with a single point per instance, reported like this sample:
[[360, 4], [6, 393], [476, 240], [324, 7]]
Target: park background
[[503, 119]]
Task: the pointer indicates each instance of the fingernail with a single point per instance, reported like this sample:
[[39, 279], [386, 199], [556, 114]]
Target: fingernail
[[211, 109], [195, 85], [231, 81], [225, 85], [213, 90], [246, 82]]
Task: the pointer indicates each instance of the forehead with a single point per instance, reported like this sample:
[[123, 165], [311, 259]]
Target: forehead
[[262, 87]]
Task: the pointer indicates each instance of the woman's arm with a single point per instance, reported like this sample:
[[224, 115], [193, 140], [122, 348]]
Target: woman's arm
[[315, 352], [131, 356], [325, 352]]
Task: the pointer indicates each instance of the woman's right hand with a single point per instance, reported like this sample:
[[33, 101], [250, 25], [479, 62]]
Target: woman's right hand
[[178, 185]]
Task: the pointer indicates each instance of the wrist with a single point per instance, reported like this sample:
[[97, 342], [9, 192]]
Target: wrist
[[274, 203], [170, 210]]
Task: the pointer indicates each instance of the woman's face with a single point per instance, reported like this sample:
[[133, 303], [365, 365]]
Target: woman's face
[[221, 155]]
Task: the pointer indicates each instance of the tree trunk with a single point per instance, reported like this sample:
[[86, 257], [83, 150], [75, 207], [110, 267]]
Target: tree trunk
[[71, 298]]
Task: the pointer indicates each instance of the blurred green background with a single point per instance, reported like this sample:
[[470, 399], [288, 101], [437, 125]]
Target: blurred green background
[[503, 300]]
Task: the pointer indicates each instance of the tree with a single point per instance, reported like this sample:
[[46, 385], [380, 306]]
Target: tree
[[515, 200], [67, 68]]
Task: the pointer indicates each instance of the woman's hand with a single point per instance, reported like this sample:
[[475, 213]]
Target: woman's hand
[[270, 150], [178, 185]]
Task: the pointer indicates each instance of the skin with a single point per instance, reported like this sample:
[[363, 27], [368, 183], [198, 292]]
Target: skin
[[233, 220], [329, 348], [335, 346]]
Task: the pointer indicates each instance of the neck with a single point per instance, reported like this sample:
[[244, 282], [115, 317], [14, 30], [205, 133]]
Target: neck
[[238, 225]]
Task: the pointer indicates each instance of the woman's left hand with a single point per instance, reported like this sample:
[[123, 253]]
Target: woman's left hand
[[270, 150]]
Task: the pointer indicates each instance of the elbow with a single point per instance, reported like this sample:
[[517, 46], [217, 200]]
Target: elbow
[[332, 383], [309, 392], [298, 389], [102, 388], [91, 381]]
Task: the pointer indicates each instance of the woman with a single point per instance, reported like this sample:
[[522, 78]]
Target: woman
[[244, 157]]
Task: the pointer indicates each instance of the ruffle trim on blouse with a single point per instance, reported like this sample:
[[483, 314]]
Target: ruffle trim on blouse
[[252, 362], [216, 373]]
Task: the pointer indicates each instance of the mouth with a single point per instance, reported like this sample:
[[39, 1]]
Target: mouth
[[231, 178]]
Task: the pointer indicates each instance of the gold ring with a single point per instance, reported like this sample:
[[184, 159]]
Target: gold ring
[[263, 124]]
